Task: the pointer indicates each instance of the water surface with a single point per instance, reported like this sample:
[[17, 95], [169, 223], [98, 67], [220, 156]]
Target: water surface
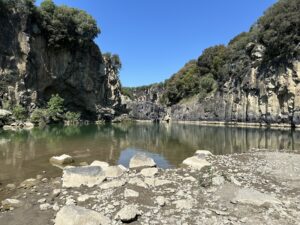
[[25, 154]]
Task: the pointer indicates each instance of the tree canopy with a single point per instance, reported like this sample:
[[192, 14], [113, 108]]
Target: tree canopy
[[65, 25]]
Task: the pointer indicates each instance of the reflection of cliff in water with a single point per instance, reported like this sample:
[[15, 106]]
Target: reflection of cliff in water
[[28, 152]]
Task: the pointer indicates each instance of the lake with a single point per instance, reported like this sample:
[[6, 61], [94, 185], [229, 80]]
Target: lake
[[25, 154]]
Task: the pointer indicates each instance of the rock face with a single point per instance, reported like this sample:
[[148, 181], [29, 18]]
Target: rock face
[[75, 215], [260, 97], [261, 94], [31, 71]]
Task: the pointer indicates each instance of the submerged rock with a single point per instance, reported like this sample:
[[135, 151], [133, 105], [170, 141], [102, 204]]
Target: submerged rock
[[196, 162], [85, 175], [141, 160], [75, 215], [61, 160]]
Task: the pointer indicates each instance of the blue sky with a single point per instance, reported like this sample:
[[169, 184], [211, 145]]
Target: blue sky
[[155, 38]]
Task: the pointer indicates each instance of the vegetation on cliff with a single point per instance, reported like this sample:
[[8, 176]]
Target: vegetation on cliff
[[63, 26], [277, 32]]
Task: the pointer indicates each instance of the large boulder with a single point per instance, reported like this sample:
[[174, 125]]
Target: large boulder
[[128, 213], [84, 175], [140, 161], [75, 215], [196, 162]]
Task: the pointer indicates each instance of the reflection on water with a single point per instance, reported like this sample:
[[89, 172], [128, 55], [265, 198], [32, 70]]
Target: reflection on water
[[26, 153]]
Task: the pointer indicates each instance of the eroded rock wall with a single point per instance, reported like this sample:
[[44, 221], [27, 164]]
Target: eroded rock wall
[[31, 71]]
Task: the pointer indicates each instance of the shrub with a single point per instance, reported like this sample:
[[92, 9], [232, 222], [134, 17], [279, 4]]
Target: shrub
[[72, 117], [19, 112], [39, 116], [55, 108]]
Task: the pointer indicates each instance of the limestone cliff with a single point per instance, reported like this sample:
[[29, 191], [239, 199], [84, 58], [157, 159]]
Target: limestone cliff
[[262, 96], [31, 70], [255, 78]]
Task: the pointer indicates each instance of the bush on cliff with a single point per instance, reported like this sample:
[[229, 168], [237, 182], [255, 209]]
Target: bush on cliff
[[65, 26]]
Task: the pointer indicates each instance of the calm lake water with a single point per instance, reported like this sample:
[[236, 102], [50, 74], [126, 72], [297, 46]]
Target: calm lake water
[[25, 154]]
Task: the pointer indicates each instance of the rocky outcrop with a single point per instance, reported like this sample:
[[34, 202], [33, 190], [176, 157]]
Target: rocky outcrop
[[260, 95], [31, 71]]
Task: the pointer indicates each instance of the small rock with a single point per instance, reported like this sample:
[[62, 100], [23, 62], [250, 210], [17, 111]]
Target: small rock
[[45, 206], [130, 193], [29, 183], [83, 198], [113, 171], [42, 200], [56, 192], [218, 180], [11, 186], [196, 162], [161, 201], [75, 215], [55, 207], [100, 163], [149, 172], [203, 153], [236, 182], [113, 184], [184, 204], [141, 160], [128, 214], [61, 160], [9, 203]]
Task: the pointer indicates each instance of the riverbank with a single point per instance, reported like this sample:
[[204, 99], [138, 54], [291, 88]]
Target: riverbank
[[284, 126], [258, 187]]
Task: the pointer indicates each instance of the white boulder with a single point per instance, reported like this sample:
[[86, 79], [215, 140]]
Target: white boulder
[[141, 160], [84, 175], [61, 160], [196, 162]]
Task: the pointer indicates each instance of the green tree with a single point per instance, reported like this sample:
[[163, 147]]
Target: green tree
[[72, 117], [66, 26], [55, 108], [19, 112], [39, 116]]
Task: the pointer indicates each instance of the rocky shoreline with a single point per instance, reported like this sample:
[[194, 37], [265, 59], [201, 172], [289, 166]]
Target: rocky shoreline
[[258, 187]]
